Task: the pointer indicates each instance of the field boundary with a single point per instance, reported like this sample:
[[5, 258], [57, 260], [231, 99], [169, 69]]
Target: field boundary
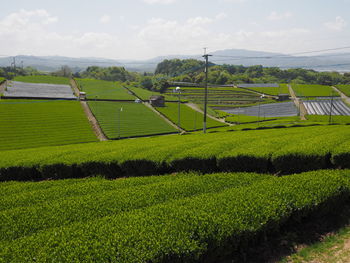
[[342, 95], [163, 117], [298, 103], [93, 121]]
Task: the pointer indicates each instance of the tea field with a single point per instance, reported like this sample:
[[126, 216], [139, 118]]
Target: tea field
[[306, 90], [187, 217], [128, 119], [43, 79], [145, 94], [101, 89], [345, 89], [282, 89], [31, 123], [190, 119]]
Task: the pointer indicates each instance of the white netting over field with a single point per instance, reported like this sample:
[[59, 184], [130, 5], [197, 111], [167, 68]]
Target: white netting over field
[[38, 90], [322, 107]]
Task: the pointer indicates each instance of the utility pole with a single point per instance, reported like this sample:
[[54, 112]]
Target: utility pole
[[206, 56]]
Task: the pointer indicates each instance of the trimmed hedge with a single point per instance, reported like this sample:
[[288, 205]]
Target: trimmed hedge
[[279, 151], [199, 228]]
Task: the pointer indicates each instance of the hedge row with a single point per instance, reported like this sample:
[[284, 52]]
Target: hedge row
[[278, 151], [199, 228]]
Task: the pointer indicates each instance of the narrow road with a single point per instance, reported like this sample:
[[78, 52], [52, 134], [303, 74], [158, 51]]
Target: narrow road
[[94, 123], [74, 86], [342, 95], [196, 108], [298, 103]]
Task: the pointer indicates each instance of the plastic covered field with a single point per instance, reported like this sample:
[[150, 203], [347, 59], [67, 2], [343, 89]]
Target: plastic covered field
[[322, 107], [38, 90], [284, 109]]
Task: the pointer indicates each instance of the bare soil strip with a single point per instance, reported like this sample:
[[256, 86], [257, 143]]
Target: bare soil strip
[[94, 123], [342, 95], [74, 86], [164, 118], [196, 108], [298, 103]]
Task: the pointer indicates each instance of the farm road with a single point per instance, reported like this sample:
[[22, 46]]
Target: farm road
[[93, 121], [298, 103], [342, 95]]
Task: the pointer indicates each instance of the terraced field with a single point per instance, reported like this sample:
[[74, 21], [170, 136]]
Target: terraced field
[[42, 79], [146, 94], [128, 119], [219, 97], [159, 219], [100, 89], [323, 107], [189, 119], [30, 123], [281, 89], [283, 109], [306, 90]]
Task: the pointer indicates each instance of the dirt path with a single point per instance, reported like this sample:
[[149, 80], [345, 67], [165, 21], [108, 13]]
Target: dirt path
[[298, 103], [2, 87], [74, 86], [196, 108], [342, 95], [94, 123], [164, 118]]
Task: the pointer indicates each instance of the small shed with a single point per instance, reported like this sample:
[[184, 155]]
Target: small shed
[[138, 101], [283, 97], [82, 95], [157, 101]]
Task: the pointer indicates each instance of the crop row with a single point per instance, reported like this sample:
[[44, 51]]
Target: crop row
[[345, 89], [190, 225], [43, 79], [278, 150], [307, 90]]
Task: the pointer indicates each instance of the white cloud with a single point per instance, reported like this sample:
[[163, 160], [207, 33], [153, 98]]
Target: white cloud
[[274, 16], [164, 2], [338, 25], [105, 19]]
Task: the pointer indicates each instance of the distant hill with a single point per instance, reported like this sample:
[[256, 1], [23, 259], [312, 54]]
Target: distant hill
[[333, 62]]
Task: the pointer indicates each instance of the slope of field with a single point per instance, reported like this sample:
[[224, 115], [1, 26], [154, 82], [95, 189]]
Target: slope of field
[[128, 119], [101, 89], [43, 79], [274, 150], [282, 89], [345, 89], [159, 219], [25, 124], [146, 94], [189, 119], [308, 90]]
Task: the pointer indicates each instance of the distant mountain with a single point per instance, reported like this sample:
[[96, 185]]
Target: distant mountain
[[328, 62]]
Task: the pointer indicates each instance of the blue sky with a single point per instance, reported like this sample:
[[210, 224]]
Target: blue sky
[[140, 29]]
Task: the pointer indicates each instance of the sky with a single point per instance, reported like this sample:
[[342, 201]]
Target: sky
[[143, 29]]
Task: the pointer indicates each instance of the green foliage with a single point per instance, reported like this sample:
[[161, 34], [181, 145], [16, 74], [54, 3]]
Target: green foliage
[[145, 94], [101, 89], [109, 74], [239, 118], [186, 218], [43, 79], [274, 150], [282, 89], [325, 118], [26, 124], [175, 67], [120, 120], [189, 119], [345, 89], [313, 90]]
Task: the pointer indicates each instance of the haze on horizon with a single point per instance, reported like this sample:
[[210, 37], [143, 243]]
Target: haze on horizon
[[142, 29]]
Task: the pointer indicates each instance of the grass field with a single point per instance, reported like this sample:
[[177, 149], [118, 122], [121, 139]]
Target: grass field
[[43, 79], [135, 119], [189, 119], [101, 89], [159, 219], [306, 90], [26, 124], [146, 94], [345, 89]]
